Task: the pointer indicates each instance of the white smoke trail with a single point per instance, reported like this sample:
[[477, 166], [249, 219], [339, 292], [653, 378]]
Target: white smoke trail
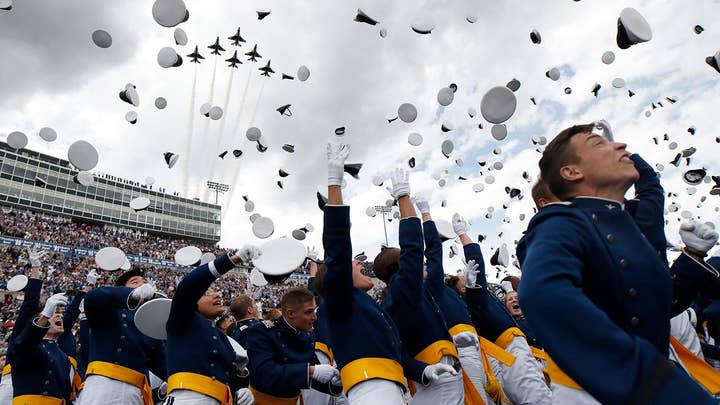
[[188, 138]]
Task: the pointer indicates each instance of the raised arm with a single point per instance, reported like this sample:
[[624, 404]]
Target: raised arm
[[194, 285], [433, 251], [100, 301], [338, 281], [552, 283], [690, 273], [647, 208], [32, 294]]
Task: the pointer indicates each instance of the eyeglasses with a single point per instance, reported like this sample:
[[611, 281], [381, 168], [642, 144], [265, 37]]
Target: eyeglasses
[[602, 128]]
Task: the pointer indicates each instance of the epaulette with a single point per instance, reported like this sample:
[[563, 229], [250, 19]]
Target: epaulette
[[269, 323], [243, 327]]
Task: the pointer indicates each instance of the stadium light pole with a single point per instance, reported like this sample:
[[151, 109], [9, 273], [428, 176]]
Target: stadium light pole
[[218, 188], [384, 209]]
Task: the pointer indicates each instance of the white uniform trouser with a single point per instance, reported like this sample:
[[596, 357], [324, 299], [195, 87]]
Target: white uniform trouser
[[563, 395], [473, 366], [6, 390], [99, 390], [376, 391], [187, 397], [681, 328], [448, 390], [524, 382], [313, 397]]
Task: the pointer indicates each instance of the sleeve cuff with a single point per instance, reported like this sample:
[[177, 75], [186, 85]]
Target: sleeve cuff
[[704, 265]]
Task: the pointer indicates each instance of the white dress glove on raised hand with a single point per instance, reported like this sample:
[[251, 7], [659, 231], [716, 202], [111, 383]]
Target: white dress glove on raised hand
[[507, 286], [143, 293], [336, 155], [421, 203], [433, 372], [465, 339], [52, 303], [400, 184], [698, 236], [35, 257], [459, 224], [312, 253], [92, 277], [248, 253], [324, 373], [244, 397], [471, 270]]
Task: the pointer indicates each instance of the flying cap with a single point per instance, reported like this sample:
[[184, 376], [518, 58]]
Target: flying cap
[[422, 26], [131, 117], [288, 148], [632, 29], [445, 229], [253, 134], [140, 204], [84, 178], [618, 82], [160, 103], [280, 257], [17, 283], [447, 147], [498, 105], [207, 258], [364, 18], [535, 37], [513, 85], [284, 110], [415, 139], [263, 12], [188, 256], [447, 126], [608, 57], [167, 58], [499, 132], [257, 279], [303, 73], [553, 74], [714, 61], [263, 227], [170, 13], [152, 316], [445, 96], [216, 112], [407, 112], [130, 95], [17, 140], [694, 177], [83, 155], [180, 37], [101, 39], [371, 212], [110, 258], [170, 159]]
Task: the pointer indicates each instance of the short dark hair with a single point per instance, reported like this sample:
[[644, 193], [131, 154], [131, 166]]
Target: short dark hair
[[294, 297], [557, 154], [452, 282], [540, 190], [240, 305], [386, 263]]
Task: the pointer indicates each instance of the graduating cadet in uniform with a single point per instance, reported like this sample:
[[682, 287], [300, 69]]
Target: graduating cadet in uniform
[[41, 371], [282, 353], [452, 306], [246, 314], [120, 356], [506, 346], [365, 341], [588, 256], [422, 327], [203, 367]]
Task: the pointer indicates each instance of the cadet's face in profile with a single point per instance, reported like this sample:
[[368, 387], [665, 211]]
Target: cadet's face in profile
[[210, 304], [135, 282], [603, 163], [303, 317]]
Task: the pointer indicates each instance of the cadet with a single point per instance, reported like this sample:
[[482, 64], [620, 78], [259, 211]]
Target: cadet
[[202, 365], [119, 355], [246, 314], [588, 256], [282, 353]]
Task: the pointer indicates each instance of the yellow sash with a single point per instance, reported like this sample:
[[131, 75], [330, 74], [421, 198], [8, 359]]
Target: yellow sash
[[493, 388], [559, 377], [702, 372], [202, 384], [433, 353], [472, 396], [538, 354], [462, 327], [506, 337], [368, 368], [37, 400], [325, 349], [262, 398], [76, 381], [497, 352], [124, 374], [6, 370]]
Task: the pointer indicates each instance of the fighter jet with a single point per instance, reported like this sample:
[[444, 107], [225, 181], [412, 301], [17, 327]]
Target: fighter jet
[[236, 39], [234, 61], [266, 70], [216, 48], [253, 55], [195, 56]]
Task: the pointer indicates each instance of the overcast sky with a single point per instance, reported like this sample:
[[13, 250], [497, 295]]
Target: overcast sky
[[53, 75]]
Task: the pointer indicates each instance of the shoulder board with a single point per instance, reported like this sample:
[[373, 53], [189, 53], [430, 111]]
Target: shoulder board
[[244, 327], [269, 323]]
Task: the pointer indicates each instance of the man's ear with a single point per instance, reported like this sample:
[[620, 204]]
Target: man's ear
[[571, 173]]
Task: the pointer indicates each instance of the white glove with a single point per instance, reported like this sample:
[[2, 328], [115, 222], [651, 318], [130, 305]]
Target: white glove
[[507, 286], [324, 373], [471, 270], [92, 277], [421, 203], [465, 339], [698, 236], [336, 380], [143, 293], [248, 253], [400, 184], [36, 256], [459, 224], [433, 372], [52, 303], [244, 397], [336, 155], [162, 390], [312, 253]]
